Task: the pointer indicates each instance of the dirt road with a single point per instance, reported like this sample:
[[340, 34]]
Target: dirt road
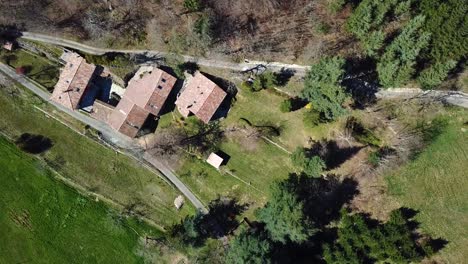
[[299, 70]]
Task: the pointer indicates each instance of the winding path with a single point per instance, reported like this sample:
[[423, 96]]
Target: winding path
[[299, 70], [131, 148]]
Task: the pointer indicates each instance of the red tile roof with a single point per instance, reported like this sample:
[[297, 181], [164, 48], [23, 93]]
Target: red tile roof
[[146, 94], [201, 97], [150, 90], [128, 118], [73, 82]]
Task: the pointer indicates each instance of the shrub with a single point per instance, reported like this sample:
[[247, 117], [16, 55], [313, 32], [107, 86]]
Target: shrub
[[336, 5], [192, 5], [362, 134], [322, 28], [312, 118], [286, 106], [264, 81], [310, 165], [374, 158]]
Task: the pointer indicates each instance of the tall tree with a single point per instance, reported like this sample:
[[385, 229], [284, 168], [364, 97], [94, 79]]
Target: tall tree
[[311, 165], [361, 242], [396, 66], [249, 247], [323, 89], [435, 74], [284, 216]]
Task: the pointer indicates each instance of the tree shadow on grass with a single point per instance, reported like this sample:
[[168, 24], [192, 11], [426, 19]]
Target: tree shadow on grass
[[34, 144], [332, 153]]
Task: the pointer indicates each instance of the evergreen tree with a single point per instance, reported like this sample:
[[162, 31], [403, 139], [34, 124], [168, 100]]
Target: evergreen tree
[[323, 89], [360, 242], [435, 74], [447, 22], [396, 67], [283, 215], [249, 247], [311, 165], [189, 231]]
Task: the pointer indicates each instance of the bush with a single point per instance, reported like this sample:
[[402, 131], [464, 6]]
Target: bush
[[322, 28], [336, 5], [373, 159], [362, 134], [286, 106], [312, 118], [192, 5], [263, 81], [312, 166]]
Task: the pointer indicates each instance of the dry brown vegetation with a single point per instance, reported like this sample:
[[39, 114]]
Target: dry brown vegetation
[[264, 29]]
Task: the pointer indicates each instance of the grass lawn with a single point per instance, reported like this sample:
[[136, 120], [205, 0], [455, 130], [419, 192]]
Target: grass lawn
[[89, 164], [36, 67], [436, 184], [44, 221], [256, 164]]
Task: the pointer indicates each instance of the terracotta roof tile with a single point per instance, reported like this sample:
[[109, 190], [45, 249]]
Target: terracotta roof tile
[[73, 82], [201, 96]]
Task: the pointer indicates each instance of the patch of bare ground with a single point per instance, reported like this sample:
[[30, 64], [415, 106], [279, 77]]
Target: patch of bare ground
[[156, 251], [395, 124], [247, 137]]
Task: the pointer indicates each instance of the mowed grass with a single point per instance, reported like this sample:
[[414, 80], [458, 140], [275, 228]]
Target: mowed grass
[[255, 164], [36, 67], [436, 184], [95, 167], [44, 221]]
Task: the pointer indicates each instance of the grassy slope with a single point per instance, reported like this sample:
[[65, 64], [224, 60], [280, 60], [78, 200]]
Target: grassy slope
[[89, 164], [259, 165], [436, 184], [41, 70], [44, 221]]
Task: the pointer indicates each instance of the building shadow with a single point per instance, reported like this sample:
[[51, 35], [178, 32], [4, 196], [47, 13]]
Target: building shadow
[[226, 157], [149, 126], [99, 88]]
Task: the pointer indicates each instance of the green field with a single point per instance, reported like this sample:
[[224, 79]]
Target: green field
[[436, 185], [44, 221], [95, 167], [36, 67]]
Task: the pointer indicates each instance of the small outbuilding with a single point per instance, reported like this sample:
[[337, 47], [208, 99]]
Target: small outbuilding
[[215, 160]]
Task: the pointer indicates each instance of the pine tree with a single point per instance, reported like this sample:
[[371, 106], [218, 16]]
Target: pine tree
[[396, 67], [248, 248], [283, 215], [323, 89], [435, 74]]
